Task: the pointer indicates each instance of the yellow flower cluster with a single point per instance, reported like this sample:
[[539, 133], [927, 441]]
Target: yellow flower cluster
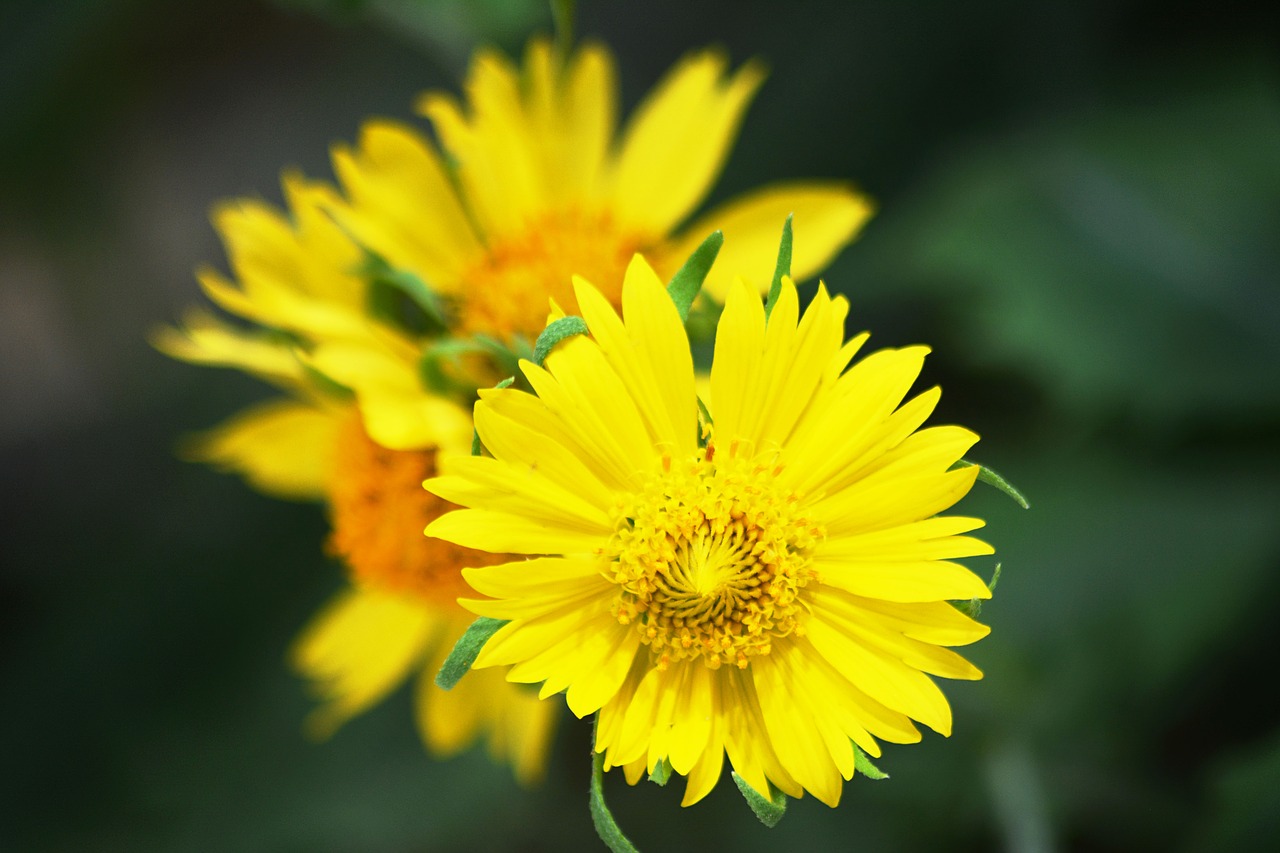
[[446, 256]]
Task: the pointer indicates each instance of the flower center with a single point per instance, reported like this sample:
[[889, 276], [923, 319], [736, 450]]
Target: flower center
[[508, 290], [379, 510], [709, 559]]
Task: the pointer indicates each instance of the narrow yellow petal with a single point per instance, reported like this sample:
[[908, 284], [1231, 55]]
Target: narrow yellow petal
[[826, 217], [677, 141], [403, 204], [931, 580], [281, 447], [358, 649]]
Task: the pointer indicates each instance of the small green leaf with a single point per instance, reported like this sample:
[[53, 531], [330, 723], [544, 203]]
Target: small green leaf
[[991, 478], [555, 332], [770, 809], [606, 826], [432, 364], [465, 650], [400, 298], [781, 268], [863, 765], [326, 383], [687, 281], [662, 773], [995, 578], [562, 20]]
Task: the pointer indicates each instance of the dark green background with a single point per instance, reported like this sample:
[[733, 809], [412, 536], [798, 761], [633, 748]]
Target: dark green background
[[1079, 210]]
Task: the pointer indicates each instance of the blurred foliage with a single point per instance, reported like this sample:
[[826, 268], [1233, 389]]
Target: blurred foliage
[[1078, 210]]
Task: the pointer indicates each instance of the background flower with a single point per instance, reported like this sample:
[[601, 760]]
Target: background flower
[[1076, 209]]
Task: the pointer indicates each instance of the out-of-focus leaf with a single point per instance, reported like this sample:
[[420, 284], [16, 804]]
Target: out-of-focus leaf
[[1125, 257]]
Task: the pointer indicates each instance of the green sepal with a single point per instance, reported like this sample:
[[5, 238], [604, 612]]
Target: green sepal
[[601, 817], [475, 433], [704, 423], [400, 298], [661, 773], [862, 764], [325, 383], [781, 268], [770, 809], [431, 364], [464, 653], [991, 478], [687, 281], [555, 332]]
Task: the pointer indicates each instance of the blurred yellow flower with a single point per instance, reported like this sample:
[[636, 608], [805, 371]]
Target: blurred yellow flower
[[535, 187], [778, 593], [399, 616]]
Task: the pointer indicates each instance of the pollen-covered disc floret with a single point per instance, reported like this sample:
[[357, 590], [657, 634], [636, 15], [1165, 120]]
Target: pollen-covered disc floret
[[710, 559]]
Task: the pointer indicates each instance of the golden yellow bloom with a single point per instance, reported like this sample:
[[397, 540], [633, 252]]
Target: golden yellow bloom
[[777, 592], [544, 190], [399, 617]]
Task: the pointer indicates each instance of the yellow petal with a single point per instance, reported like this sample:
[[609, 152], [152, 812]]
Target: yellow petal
[[281, 447], [360, 648], [901, 581], [203, 339], [827, 215], [403, 204], [677, 141], [398, 412], [516, 724], [650, 354], [882, 677]]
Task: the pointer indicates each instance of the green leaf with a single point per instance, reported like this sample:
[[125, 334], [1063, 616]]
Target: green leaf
[[704, 423], [326, 383], [995, 578], [400, 298], [435, 357], [863, 765], [687, 281], [780, 269], [606, 826], [459, 661], [770, 809], [991, 478], [562, 20], [555, 332], [662, 773]]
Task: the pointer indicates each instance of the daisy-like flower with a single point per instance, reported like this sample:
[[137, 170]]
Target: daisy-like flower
[[364, 456], [771, 584], [532, 186]]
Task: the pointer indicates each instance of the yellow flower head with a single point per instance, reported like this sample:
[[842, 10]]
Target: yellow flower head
[[533, 187], [773, 585]]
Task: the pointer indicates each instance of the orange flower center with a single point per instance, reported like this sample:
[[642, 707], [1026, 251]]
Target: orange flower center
[[710, 559], [507, 291], [379, 510]]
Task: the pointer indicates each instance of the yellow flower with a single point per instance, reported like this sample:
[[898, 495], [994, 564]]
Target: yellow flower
[[541, 190], [399, 616], [777, 593]]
